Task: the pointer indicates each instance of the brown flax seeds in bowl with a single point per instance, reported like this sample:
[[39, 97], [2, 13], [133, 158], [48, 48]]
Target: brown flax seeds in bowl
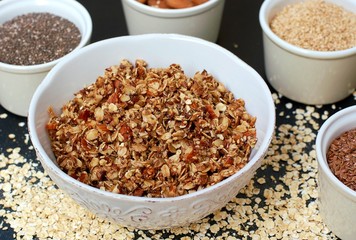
[[341, 157], [152, 132], [316, 25]]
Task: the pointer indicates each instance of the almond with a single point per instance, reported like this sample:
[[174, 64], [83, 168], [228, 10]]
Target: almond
[[177, 4], [198, 2]]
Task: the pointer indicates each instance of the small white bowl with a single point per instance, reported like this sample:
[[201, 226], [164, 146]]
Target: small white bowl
[[158, 50], [337, 202], [201, 21], [306, 76], [18, 83]]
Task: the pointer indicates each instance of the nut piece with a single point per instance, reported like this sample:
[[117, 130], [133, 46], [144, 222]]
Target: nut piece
[[177, 4], [152, 132], [157, 3], [172, 4], [198, 2]]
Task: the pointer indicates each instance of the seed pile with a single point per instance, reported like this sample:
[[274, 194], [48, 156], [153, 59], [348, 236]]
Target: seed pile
[[37, 38], [316, 25], [280, 202], [341, 157]]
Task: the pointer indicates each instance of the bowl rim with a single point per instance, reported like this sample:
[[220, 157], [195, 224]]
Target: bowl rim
[[172, 13], [85, 38], [264, 12], [321, 155], [261, 151]]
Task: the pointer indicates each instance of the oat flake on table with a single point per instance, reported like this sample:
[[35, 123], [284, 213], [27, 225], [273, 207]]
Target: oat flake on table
[[34, 207]]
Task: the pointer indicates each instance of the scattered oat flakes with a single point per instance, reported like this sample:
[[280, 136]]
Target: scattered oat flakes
[[291, 205], [289, 105], [11, 136]]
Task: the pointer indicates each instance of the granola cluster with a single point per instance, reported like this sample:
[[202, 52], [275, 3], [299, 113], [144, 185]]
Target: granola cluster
[[152, 131]]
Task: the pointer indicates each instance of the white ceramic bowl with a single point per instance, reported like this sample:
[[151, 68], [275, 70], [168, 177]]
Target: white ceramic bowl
[[306, 76], [159, 50], [18, 83], [201, 21], [337, 202]]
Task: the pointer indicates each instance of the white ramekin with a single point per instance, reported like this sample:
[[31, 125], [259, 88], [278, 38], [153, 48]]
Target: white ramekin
[[337, 202], [18, 83], [201, 21], [306, 76]]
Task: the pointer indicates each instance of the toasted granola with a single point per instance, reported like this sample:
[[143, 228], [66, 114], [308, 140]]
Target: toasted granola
[[152, 132]]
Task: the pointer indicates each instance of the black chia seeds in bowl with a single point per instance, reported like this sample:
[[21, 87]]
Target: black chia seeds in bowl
[[36, 38]]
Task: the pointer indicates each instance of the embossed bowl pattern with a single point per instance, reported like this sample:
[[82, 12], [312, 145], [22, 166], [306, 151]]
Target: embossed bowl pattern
[[158, 50]]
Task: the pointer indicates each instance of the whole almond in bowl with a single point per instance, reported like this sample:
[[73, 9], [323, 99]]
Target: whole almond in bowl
[[179, 4], [196, 18], [174, 4]]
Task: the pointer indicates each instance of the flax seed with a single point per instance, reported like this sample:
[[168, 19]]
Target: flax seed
[[341, 157]]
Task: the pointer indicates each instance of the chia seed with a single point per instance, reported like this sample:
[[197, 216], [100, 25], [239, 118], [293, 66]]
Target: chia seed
[[37, 38]]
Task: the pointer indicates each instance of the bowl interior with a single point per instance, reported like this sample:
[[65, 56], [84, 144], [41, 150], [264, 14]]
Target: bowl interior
[[158, 50]]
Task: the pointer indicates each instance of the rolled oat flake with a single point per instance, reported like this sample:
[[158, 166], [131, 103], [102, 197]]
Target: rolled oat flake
[[37, 38]]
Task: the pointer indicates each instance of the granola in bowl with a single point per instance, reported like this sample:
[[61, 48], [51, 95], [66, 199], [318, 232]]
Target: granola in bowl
[[152, 132]]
